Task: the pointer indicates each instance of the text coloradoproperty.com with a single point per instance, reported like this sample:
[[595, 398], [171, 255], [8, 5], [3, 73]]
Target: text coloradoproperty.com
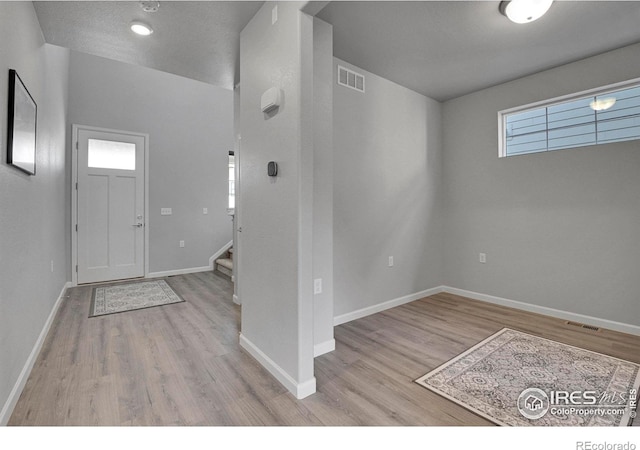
[[587, 411]]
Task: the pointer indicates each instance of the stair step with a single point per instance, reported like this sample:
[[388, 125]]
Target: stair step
[[224, 262], [225, 266]]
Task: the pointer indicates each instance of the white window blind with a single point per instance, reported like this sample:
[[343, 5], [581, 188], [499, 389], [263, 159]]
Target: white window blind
[[601, 117]]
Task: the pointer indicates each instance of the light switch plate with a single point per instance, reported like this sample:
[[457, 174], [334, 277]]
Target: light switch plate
[[165, 211]]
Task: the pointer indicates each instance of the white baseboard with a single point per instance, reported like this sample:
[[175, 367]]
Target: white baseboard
[[11, 402], [557, 313], [170, 273], [236, 300], [306, 388], [324, 347], [219, 253], [300, 390], [348, 317], [566, 315]]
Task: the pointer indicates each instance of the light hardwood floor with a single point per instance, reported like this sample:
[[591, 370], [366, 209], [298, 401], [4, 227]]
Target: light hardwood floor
[[181, 364]]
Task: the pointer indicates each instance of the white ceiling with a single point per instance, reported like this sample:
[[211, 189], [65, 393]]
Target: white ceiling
[[447, 49], [442, 49], [194, 39]]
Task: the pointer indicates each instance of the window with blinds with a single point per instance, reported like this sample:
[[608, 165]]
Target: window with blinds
[[597, 117]]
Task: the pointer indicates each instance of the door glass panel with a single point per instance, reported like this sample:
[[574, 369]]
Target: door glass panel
[[112, 155]]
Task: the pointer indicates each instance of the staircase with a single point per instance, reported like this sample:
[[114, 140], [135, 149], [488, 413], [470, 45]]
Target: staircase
[[224, 264]]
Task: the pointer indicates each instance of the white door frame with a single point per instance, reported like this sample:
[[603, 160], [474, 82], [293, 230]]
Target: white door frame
[[74, 195]]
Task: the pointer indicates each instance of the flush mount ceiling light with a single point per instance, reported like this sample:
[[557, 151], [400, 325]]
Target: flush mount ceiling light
[[141, 28], [524, 11], [600, 104]]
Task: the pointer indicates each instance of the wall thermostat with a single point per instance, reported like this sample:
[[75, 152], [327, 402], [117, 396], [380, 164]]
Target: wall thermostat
[[272, 168], [271, 99]]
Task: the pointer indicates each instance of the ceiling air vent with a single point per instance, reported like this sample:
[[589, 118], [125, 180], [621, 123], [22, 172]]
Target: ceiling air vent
[[349, 78]]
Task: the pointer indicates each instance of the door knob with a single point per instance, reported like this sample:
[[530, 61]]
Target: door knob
[[139, 225]]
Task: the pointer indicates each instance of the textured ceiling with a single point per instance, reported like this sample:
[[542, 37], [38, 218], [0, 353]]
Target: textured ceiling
[[198, 40], [447, 49], [442, 49]]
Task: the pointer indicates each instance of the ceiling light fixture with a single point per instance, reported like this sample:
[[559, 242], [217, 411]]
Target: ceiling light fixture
[[524, 11], [600, 104], [141, 28]]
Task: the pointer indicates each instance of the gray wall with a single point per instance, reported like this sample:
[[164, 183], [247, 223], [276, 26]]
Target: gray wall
[[237, 137], [274, 248], [190, 127], [560, 229], [387, 199], [323, 183], [33, 219]]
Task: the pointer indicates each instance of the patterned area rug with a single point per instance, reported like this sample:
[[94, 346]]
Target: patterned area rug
[[517, 379], [130, 296]]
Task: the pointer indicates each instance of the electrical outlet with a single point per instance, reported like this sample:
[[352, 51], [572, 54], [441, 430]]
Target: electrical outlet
[[165, 211], [317, 286], [390, 261], [181, 244], [482, 257], [205, 210]]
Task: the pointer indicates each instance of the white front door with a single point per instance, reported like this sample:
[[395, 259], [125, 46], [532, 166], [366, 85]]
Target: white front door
[[110, 210]]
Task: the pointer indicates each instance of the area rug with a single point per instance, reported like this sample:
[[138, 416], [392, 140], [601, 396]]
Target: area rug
[[131, 296], [517, 379]]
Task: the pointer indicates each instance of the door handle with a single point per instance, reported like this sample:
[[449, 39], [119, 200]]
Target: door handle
[[139, 225]]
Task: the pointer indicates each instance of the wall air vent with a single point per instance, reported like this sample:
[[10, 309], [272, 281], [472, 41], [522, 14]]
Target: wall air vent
[[349, 78]]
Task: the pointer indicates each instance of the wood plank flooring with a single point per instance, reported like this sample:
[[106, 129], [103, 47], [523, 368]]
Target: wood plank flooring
[[181, 364]]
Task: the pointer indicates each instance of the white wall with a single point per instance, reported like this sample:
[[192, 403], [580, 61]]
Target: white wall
[[190, 127], [275, 245], [560, 229], [387, 200], [33, 218]]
